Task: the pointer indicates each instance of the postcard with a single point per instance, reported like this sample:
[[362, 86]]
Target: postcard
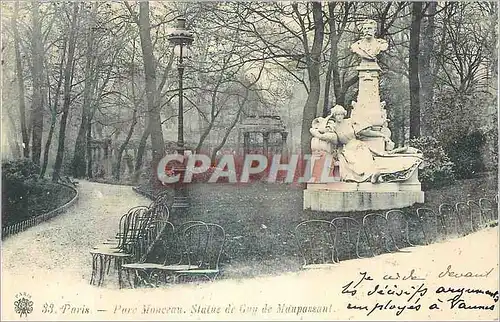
[[234, 161]]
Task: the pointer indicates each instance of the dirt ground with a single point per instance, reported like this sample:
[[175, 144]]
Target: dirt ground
[[51, 264]]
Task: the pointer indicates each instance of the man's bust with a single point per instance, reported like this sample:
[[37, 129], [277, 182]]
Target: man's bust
[[368, 47]]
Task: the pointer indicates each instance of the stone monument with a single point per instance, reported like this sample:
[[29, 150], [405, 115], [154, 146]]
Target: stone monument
[[357, 167]]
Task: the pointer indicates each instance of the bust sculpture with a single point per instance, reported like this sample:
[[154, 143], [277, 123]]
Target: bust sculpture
[[368, 47]]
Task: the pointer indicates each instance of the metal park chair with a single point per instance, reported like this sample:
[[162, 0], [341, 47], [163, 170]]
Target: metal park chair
[[489, 209], [476, 215], [171, 258], [433, 224], [464, 212], [204, 243], [160, 208], [315, 243], [123, 251], [452, 221], [144, 269], [400, 228], [379, 234], [350, 239]]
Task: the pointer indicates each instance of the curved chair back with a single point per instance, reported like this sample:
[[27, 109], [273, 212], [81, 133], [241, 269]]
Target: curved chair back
[[155, 238], [379, 235], [204, 244], [432, 223], [179, 246], [452, 222], [477, 220], [489, 209], [464, 212], [314, 240], [350, 239], [399, 228]]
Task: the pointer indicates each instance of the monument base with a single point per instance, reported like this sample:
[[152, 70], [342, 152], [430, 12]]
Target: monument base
[[344, 196]]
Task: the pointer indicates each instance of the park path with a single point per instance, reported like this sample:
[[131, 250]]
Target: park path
[[51, 263], [63, 243]]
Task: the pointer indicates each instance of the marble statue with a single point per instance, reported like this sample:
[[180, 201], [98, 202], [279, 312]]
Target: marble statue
[[365, 170], [343, 138]]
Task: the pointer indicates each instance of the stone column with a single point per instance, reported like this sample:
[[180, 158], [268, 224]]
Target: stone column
[[107, 164], [246, 142], [367, 107], [284, 135], [99, 160], [265, 143], [238, 142]]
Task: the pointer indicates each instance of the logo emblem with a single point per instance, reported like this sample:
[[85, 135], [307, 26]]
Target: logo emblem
[[23, 305]]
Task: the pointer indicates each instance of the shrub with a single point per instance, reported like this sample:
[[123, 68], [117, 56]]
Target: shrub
[[437, 168], [25, 195], [490, 149], [465, 151]]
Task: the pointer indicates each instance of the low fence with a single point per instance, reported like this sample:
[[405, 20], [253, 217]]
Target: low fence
[[33, 221]]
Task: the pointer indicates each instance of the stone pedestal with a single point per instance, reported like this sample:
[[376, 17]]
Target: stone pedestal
[[347, 196], [367, 108]]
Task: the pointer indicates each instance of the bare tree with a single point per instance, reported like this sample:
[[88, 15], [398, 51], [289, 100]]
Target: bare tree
[[413, 70], [80, 152], [135, 103], [20, 82], [154, 121], [313, 61], [37, 53], [247, 85], [427, 64], [68, 81]]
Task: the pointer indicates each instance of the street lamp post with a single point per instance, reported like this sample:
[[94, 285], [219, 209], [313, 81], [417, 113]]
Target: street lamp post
[[181, 37]]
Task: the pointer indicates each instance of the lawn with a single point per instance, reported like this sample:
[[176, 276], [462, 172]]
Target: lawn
[[259, 218]]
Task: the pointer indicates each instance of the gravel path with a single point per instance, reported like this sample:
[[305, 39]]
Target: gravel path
[[51, 262], [63, 243]]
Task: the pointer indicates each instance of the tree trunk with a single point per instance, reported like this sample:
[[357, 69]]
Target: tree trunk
[[123, 146], [313, 63], [68, 80], [333, 64], [20, 82], [154, 122], [53, 112], [90, 158], [427, 78], [47, 146], [416, 15], [37, 72], [213, 113], [79, 156], [140, 154], [12, 139]]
